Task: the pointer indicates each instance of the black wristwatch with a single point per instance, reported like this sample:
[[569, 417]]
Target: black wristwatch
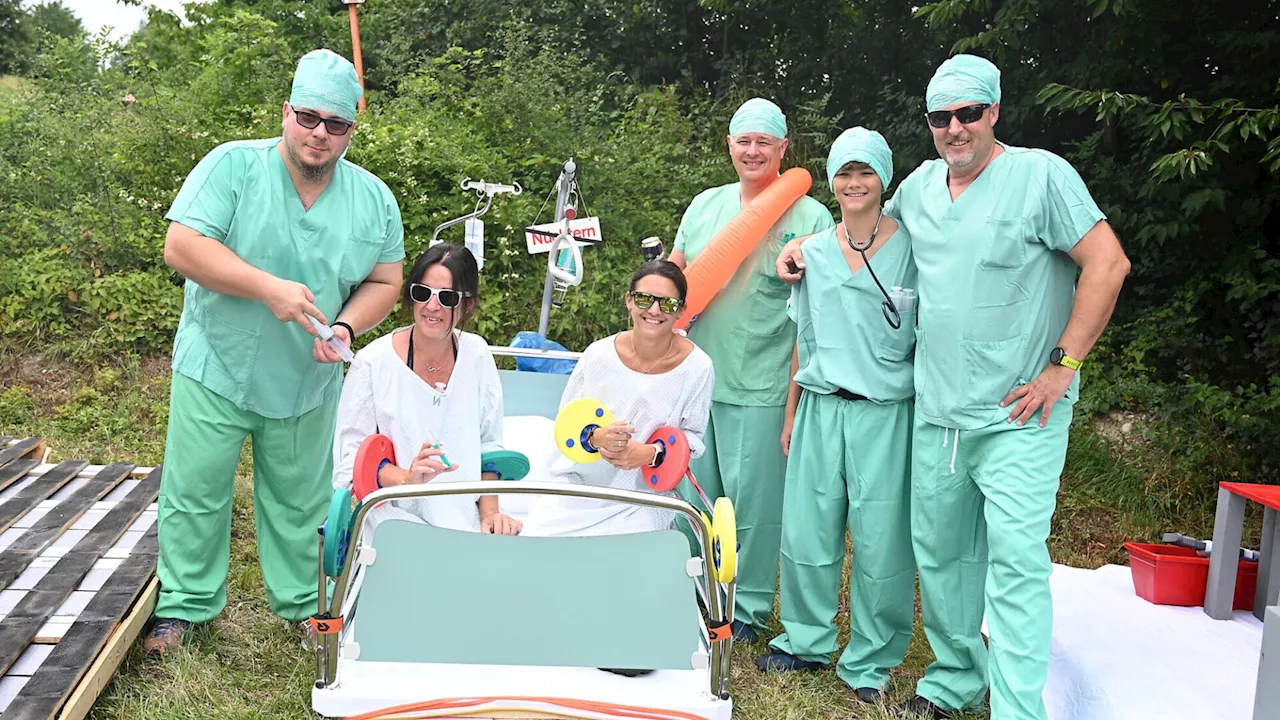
[[659, 452], [1058, 356]]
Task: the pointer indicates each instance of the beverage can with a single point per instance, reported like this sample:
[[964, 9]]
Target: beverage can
[[651, 248]]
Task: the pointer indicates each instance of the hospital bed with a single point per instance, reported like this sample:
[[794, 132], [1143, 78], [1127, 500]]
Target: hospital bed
[[458, 624]]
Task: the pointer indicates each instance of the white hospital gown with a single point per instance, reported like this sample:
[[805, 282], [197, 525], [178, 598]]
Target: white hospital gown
[[380, 394], [680, 397]]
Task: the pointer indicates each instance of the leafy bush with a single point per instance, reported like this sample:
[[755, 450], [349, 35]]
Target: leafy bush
[[95, 143]]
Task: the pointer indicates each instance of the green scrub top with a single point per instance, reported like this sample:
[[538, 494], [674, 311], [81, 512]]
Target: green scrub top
[[996, 284], [241, 195], [842, 336], [745, 329]]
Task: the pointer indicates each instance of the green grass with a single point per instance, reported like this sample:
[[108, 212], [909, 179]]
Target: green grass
[[248, 664]]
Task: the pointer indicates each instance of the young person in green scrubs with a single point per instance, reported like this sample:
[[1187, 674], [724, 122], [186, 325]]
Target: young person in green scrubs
[[269, 234], [850, 445]]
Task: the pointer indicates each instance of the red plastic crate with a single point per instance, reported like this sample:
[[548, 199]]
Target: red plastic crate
[[1174, 575]]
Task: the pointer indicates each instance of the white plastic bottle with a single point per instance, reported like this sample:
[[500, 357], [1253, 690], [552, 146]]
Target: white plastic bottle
[[475, 240]]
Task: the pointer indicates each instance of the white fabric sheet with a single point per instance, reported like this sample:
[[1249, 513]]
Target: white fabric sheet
[[1116, 656]]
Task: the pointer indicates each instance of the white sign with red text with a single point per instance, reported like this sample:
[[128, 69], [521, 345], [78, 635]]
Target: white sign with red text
[[585, 229]]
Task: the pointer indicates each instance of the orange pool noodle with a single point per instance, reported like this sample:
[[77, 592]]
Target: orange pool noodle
[[720, 260]]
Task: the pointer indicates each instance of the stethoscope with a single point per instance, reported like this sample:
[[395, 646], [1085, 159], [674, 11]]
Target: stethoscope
[[887, 307]]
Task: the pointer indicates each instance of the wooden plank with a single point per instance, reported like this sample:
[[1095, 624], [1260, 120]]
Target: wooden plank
[[45, 531], [15, 471], [117, 520], [104, 668], [22, 625], [60, 673], [4, 441], [29, 448], [38, 491]]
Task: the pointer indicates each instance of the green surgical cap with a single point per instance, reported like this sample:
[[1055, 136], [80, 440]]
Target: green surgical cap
[[861, 145], [325, 81], [759, 115], [963, 78]]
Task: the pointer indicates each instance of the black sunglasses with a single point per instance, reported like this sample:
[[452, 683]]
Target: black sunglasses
[[421, 294], [966, 115], [644, 301], [310, 120]]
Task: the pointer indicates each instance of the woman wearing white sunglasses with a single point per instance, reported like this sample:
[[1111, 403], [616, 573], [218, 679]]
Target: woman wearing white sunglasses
[[430, 384]]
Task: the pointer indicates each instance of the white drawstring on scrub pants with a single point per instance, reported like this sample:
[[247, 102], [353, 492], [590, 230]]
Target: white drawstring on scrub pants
[[954, 446]]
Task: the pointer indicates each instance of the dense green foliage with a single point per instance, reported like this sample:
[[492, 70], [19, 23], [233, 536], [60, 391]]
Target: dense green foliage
[[1168, 109]]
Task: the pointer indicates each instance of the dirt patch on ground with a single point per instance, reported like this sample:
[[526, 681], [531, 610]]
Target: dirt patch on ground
[[1123, 431], [53, 382]]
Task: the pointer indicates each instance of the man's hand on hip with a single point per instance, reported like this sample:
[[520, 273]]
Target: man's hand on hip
[[1048, 388]]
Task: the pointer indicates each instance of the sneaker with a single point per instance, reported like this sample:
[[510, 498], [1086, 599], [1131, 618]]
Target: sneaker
[[744, 633], [781, 661], [920, 707], [868, 695], [310, 640], [165, 636]]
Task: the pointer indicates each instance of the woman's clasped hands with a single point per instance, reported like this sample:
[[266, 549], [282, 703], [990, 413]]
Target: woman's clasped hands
[[617, 447]]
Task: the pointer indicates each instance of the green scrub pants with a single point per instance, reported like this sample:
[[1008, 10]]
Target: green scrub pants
[[292, 482], [744, 462], [849, 466], [981, 505]]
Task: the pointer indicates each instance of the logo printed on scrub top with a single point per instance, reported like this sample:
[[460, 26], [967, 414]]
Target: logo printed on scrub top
[[436, 401]]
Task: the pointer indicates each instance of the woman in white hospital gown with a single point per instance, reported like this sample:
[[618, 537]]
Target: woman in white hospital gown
[[648, 377]]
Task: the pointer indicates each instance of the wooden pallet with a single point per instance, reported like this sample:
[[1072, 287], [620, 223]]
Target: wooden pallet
[[77, 577]]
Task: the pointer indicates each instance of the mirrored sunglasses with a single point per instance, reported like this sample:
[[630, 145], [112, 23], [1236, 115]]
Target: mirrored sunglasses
[[644, 301]]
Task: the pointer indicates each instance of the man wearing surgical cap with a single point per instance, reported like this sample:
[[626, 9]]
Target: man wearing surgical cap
[[749, 337], [850, 452], [998, 233], [275, 237]]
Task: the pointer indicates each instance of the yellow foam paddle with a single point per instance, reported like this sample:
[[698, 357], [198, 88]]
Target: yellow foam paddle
[[573, 427]]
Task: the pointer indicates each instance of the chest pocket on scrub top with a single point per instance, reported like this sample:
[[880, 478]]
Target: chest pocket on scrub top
[[358, 259], [761, 338], [900, 344], [999, 293]]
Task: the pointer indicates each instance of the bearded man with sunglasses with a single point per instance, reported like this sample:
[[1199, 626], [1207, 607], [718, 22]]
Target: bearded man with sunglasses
[[272, 235], [998, 233]]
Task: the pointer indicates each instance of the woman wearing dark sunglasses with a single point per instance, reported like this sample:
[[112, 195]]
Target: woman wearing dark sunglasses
[[648, 377], [434, 390]]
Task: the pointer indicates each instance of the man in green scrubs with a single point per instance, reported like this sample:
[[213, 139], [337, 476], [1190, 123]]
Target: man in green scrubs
[[750, 339], [270, 234], [998, 234], [849, 465]]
